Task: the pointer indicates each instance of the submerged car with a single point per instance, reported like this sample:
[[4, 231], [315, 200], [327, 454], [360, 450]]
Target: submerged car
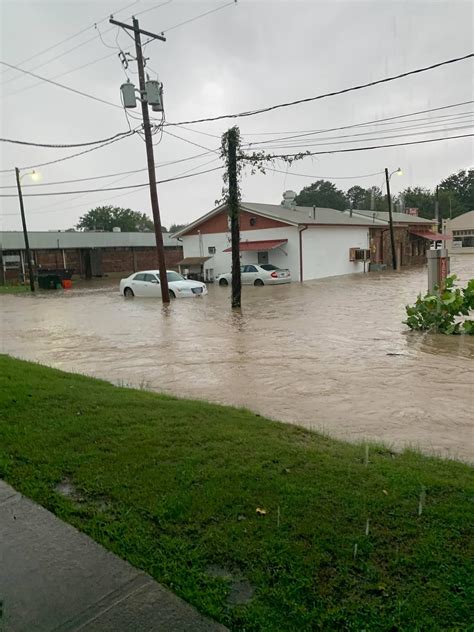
[[148, 284], [258, 274]]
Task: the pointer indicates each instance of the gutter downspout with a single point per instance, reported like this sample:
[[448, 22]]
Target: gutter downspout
[[301, 230]]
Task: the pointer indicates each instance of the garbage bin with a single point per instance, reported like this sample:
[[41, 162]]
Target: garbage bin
[[49, 281]]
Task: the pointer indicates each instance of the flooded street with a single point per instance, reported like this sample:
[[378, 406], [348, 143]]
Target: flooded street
[[331, 354]]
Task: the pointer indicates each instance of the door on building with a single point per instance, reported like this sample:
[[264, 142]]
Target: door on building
[[262, 257], [92, 262], [96, 262]]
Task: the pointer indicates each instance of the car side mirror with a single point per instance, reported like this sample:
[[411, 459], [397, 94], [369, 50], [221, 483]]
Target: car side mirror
[[154, 281]]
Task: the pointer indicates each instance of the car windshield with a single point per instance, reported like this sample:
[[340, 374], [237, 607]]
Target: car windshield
[[269, 266], [174, 276]]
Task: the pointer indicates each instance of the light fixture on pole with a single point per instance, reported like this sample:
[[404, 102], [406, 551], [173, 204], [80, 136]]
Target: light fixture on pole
[[390, 218], [35, 176]]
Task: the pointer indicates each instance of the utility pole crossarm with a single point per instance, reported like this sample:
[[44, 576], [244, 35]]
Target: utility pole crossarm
[[131, 28]]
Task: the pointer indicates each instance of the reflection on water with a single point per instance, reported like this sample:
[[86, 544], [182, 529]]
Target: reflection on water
[[329, 354]]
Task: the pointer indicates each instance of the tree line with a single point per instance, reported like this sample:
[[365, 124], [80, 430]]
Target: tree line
[[455, 195]]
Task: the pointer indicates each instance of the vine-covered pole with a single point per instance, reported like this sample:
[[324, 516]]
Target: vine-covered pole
[[232, 141]]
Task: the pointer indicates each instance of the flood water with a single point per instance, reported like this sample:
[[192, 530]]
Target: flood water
[[331, 354]]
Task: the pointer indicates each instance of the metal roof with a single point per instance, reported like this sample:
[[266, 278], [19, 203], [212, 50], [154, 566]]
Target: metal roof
[[45, 240], [398, 218], [304, 214], [293, 216]]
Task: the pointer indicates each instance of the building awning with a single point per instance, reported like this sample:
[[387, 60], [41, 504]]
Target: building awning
[[193, 261], [260, 246], [428, 234]]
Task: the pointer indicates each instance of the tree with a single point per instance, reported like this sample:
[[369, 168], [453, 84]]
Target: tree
[[420, 198], [108, 217], [175, 227], [324, 194], [460, 185], [356, 196]]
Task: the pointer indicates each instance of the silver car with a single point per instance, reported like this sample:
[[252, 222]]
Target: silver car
[[258, 274]]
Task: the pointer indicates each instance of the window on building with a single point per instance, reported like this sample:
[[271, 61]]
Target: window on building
[[211, 250]]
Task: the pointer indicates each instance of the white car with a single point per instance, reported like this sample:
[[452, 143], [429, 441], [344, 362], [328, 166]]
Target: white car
[[258, 274], [147, 283]]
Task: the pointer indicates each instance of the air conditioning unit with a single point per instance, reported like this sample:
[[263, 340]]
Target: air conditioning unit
[[359, 254]]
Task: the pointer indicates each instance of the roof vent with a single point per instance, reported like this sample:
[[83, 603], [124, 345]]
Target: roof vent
[[289, 199]]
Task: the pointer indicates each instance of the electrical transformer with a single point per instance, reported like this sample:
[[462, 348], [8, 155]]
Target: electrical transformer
[[154, 95], [129, 97]]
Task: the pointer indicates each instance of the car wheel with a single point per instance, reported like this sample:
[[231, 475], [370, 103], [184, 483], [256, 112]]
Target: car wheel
[[128, 292], [223, 282], [259, 282], [172, 294]]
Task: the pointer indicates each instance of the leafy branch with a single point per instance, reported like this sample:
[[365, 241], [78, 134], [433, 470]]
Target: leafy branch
[[443, 311]]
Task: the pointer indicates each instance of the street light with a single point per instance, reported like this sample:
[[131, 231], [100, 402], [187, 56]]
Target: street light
[[390, 218], [35, 176]]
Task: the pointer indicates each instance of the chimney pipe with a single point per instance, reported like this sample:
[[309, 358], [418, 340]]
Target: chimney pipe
[[314, 211]]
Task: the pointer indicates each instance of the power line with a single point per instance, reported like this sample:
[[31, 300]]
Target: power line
[[108, 175], [197, 17], [62, 146], [446, 119], [81, 153], [112, 197], [61, 74], [129, 186], [362, 140], [190, 142], [373, 121], [153, 8], [341, 151], [61, 85], [304, 175], [327, 94], [67, 39]]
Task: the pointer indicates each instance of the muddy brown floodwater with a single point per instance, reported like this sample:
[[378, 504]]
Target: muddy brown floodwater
[[331, 354]]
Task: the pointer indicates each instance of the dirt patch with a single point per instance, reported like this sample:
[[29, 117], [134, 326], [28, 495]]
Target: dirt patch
[[67, 489], [240, 590]]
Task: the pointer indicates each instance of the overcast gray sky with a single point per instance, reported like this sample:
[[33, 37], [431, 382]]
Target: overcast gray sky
[[245, 56]]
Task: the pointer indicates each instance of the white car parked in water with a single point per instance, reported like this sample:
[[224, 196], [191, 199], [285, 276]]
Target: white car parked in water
[[148, 284], [258, 274]]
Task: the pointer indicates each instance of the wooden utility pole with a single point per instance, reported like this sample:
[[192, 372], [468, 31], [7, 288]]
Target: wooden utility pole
[[390, 221], [25, 232], [437, 209], [233, 204], [165, 295]]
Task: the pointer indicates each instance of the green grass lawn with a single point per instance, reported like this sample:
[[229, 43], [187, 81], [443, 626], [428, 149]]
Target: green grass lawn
[[14, 289], [173, 487]]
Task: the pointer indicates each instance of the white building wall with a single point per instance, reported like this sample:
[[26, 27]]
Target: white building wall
[[326, 250], [463, 223], [220, 262]]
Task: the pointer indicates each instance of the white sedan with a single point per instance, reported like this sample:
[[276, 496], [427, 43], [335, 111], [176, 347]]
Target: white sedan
[[254, 274], [148, 284]]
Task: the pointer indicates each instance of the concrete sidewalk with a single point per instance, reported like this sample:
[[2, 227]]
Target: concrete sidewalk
[[52, 577]]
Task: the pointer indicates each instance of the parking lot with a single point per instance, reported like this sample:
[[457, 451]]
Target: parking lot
[[331, 354]]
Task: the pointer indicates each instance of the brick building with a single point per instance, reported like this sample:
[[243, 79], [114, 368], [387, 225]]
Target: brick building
[[413, 236], [88, 254]]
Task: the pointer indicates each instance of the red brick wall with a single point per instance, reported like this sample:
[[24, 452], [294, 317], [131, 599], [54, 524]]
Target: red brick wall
[[218, 223], [114, 260]]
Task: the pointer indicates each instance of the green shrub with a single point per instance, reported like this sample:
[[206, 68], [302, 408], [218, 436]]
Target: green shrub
[[442, 311]]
